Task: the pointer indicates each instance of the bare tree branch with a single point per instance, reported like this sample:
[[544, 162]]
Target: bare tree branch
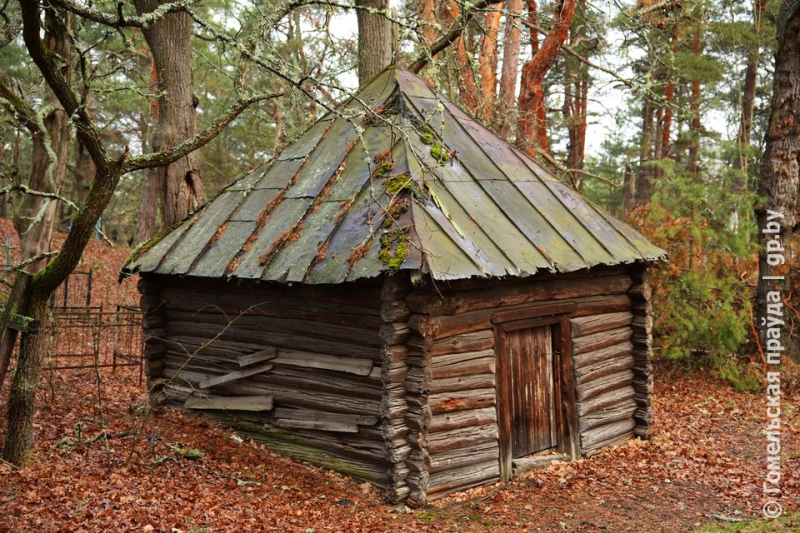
[[166, 157], [120, 19], [454, 33]]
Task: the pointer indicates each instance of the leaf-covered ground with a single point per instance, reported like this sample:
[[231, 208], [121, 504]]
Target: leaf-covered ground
[[166, 471], [704, 460]]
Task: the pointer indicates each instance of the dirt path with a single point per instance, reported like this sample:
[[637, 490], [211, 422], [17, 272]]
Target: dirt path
[[704, 459]]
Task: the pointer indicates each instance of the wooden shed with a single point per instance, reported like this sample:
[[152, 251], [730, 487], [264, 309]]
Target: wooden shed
[[406, 298]]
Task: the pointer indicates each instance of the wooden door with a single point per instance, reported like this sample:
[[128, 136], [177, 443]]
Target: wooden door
[[532, 391]]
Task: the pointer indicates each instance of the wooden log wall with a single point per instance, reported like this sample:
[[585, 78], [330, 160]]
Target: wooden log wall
[[153, 324], [642, 341], [299, 368], [406, 393], [463, 434]]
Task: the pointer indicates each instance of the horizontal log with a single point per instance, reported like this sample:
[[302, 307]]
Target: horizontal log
[[443, 441], [475, 341], [213, 381], [231, 403], [444, 326], [485, 365], [602, 354], [297, 341], [462, 383], [599, 436], [597, 387], [461, 401], [614, 413], [460, 419], [605, 400], [586, 325], [340, 458], [233, 304], [444, 482], [595, 341], [468, 455], [589, 373], [288, 326], [256, 357], [319, 425], [362, 293], [504, 296], [350, 365], [315, 415], [290, 395]]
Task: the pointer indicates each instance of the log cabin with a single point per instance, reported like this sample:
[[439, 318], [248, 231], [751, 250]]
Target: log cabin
[[404, 297]]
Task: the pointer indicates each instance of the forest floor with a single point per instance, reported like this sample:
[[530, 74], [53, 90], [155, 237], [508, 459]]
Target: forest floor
[[702, 470]]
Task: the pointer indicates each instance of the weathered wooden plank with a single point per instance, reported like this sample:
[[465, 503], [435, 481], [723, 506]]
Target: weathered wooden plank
[[319, 425], [291, 395], [257, 357], [231, 403], [315, 415], [461, 419], [350, 365], [595, 323], [213, 381]]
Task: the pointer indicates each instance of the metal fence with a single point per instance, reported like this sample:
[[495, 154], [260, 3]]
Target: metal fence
[[82, 339]]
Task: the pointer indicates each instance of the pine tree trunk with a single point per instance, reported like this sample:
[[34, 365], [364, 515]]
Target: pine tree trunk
[[465, 76], [508, 75], [36, 216], [746, 119], [642, 187], [487, 64], [694, 109], [374, 40], [532, 124], [779, 185], [170, 42]]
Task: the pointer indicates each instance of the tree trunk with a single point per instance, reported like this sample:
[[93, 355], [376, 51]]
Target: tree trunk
[[508, 76], [374, 39], [694, 109], [642, 186], [576, 94], [170, 42], [22, 396], [468, 91], [487, 64], [779, 186], [740, 185], [532, 124], [36, 216]]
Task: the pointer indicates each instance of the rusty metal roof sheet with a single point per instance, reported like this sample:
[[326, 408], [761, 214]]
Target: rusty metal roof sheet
[[400, 178]]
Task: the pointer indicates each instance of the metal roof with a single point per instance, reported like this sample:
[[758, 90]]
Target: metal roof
[[398, 178]]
